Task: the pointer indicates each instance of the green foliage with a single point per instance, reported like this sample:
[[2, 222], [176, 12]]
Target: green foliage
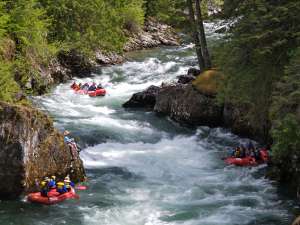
[[286, 138], [285, 111], [28, 27], [169, 11], [131, 12], [286, 96], [8, 87], [258, 48], [92, 24]]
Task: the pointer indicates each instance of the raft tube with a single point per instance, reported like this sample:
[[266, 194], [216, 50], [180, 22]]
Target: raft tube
[[53, 197], [98, 92], [248, 161], [81, 92]]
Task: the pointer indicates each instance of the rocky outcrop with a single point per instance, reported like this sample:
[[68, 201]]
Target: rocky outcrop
[[108, 58], [76, 63], [185, 104], [240, 119], [154, 34], [144, 99], [31, 149], [195, 102]]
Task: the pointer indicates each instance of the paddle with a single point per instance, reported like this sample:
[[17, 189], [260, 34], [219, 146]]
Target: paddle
[[81, 187]]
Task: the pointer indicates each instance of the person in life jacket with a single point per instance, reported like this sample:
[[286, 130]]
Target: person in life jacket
[[243, 152], [92, 87], [61, 187], [74, 85], [99, 86], [68, 183], [85, 86], [52, 182], [44, 187], [72, 145], [237, 153]]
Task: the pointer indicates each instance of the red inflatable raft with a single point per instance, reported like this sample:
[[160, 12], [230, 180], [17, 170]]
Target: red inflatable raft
[[53, 197], [96, 93], [248, 161]]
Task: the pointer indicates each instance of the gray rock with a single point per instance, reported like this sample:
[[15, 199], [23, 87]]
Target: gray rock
[[30, 148], [144, 99], [194, 72], [236, 117], [185, 79], [153, 35], [185, 104], [76, 63], [108, 58]]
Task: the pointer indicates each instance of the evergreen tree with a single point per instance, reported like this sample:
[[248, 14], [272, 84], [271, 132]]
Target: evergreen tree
[[202, 37], [195, 34]]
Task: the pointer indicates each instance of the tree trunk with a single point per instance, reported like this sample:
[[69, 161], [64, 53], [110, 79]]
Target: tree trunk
[[205, 53], [195, 34]]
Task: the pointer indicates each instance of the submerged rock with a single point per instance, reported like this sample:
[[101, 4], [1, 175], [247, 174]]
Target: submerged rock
[[30, 149], [144, 99]]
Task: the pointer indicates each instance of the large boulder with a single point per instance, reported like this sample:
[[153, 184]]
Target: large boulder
[[144, 99], [184, 103], [30, 149], [76, 63]]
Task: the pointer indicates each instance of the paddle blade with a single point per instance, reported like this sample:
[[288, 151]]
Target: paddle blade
[[81, 187]]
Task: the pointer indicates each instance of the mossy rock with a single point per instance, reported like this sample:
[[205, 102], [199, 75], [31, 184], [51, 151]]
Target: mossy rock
[[209, 82]]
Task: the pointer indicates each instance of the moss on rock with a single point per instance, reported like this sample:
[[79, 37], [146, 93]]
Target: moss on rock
[[209, 82]]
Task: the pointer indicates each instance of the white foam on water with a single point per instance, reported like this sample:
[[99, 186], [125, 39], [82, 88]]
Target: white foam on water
[[182, 173]]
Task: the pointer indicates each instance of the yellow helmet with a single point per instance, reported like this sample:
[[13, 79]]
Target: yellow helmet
[[60, 184], [53, 177], [43, 183]]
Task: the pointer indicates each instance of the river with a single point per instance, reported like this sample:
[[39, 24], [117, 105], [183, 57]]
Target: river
[[149, 170]]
